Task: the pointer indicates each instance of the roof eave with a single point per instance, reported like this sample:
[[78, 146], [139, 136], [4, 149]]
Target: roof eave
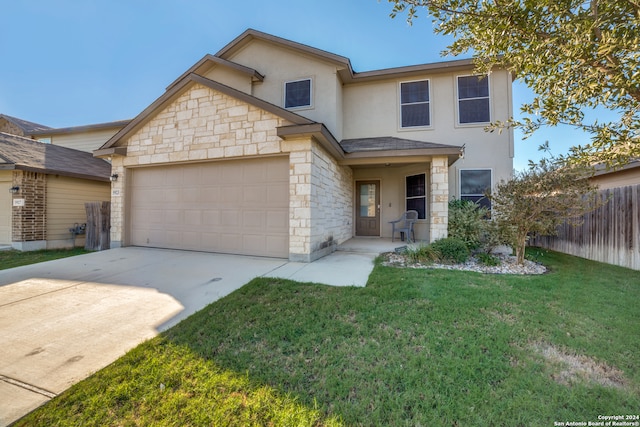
[[61, 173], [250, 34], [80, 129], [209, 61], [402, 156], [316, 130], [110, 152]]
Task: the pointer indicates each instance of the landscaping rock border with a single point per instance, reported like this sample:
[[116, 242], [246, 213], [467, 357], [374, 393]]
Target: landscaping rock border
[[508, 265]]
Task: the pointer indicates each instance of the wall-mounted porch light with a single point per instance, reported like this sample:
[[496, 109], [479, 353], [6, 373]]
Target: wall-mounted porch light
[[114, 177], [14, 189]]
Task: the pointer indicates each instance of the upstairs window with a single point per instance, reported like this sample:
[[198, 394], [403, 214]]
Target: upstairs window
[[416, 194], [474, 183], [297, 94], [473, 99], [414, 104]]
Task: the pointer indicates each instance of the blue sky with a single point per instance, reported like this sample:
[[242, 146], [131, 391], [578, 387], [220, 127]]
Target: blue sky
[[78, 62]]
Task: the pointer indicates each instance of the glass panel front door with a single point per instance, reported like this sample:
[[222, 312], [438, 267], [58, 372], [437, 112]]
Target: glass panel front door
[[368, 208]]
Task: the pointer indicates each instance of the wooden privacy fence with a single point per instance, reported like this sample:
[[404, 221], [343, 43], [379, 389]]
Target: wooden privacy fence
[[97, 236], [609, 234]]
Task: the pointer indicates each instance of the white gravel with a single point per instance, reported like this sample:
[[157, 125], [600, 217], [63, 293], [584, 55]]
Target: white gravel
[[507, 265]]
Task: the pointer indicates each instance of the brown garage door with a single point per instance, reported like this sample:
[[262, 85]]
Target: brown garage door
[[236, 207]]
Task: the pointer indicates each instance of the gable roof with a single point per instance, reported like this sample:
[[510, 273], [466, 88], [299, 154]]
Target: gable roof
[[346, 72], [19, 153], [251, 34], [176, 90], [27, 127], [209, 61]]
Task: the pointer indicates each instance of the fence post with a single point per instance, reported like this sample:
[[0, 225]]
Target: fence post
[[97, 236]]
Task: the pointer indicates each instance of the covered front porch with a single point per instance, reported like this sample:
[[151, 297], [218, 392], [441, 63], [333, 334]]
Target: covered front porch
[[392, 176]]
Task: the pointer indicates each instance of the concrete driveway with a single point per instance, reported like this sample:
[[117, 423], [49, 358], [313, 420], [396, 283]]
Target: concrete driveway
[[62, 320]]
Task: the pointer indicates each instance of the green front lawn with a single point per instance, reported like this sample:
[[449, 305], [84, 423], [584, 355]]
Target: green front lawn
[[415, 347], [12, 258]]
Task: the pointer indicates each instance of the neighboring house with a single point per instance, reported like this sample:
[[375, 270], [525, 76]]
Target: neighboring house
[[15, 126], [621, 177], [274, 148], [43, 189], [84, 138]]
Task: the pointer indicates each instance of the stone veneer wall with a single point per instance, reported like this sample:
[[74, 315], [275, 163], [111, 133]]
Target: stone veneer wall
[[29, 221], [203, 124], [332, 203], [321, 201], [439, 198]]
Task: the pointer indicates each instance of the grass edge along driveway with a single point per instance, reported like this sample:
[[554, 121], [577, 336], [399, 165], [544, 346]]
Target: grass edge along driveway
[[415, 347]]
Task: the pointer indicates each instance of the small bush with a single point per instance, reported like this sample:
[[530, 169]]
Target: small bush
[[488, 259], [422, 253], [451, 250], [467, 222]]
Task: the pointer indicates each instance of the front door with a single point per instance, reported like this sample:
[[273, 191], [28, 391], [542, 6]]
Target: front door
[[368, 208]]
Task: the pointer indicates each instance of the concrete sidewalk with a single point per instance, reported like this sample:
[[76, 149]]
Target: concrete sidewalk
[[62, 320]]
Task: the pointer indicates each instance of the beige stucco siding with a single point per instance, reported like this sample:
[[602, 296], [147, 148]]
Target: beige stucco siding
[[5, 207], [280, 64], [66, 198], [373, 109], [231, 78], [83, 141]]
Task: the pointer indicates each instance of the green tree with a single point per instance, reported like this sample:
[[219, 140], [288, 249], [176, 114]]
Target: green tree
[[537, 200], [575, 55]]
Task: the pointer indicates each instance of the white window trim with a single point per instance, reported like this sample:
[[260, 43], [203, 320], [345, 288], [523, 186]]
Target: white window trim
[[311, 94], [426, 193], [457, 101], [460, 195], [400, 104]]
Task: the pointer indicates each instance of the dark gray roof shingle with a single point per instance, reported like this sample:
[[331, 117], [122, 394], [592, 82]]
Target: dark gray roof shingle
[[26, 154], [389, 143], [27, 127]]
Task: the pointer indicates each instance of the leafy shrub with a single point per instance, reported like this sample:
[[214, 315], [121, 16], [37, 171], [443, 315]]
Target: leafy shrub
[[422, 253], [451, 250], [488, 259], [467, 222]]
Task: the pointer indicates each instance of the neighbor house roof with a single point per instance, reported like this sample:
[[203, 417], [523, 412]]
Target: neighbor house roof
[[601, 169], [25, 154], [27, 127], [84, 128]]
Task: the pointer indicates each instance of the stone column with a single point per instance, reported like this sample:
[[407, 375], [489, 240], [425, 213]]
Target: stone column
[[300, 162], [439, 198]]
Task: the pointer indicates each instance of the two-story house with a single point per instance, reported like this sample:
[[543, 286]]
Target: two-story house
[[274, 148]]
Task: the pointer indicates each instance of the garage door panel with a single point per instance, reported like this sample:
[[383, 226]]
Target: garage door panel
[[193, 217], [277, 195], [277, 220], [229, 218], [172, 217], [254, 219], [253, 194], [233, 206], [211, 218]]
